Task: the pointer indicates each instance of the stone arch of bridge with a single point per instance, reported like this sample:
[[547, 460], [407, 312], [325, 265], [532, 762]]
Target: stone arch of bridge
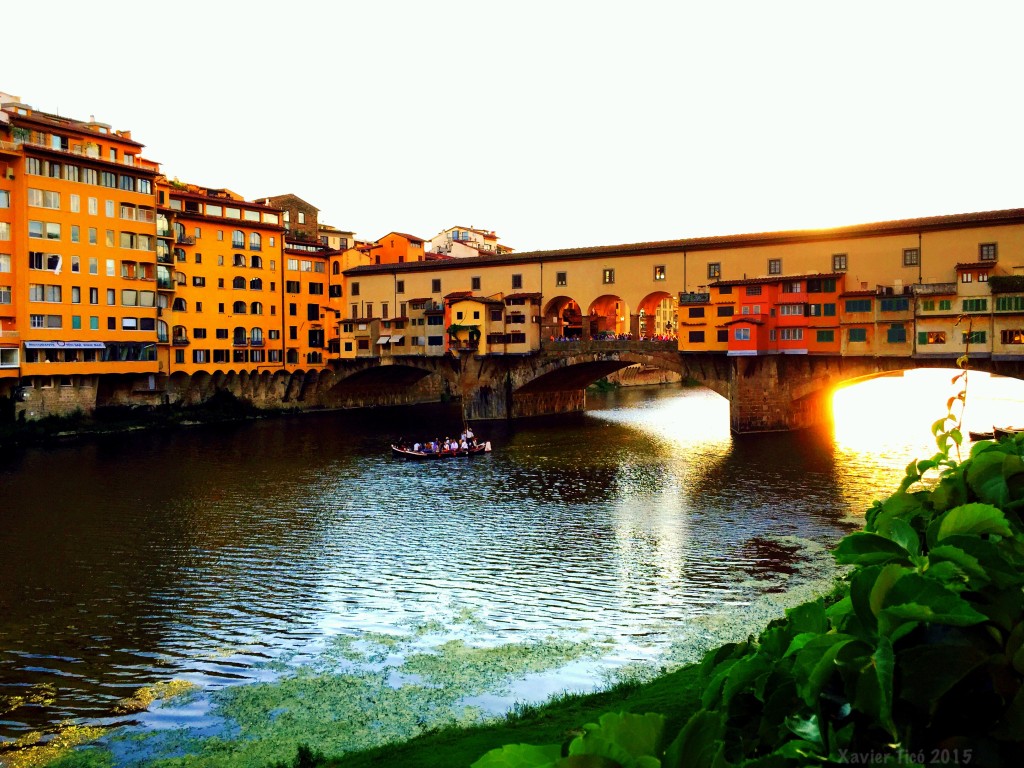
[[656, 315], [562, 318], [372, 381], [608, 314], [578, 370]]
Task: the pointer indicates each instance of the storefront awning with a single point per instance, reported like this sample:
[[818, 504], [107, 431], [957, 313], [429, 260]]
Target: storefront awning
[[65, 345], [383, 340], [398, 338]]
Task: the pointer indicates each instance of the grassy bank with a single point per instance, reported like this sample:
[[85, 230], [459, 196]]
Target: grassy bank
[[675, 695]]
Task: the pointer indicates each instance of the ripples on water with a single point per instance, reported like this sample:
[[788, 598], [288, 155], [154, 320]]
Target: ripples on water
[[201, 554]]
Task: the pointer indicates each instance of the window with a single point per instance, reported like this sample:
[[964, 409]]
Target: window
[[659, 273], [5, 262], [945, 304], [774, 266], [725, 311], [399, 287], [696, 337], [1010, 304], [792, 287], [5, 230], [753, 290], [238, 307], [316, 289], [255, 242], [897, 334], [714, 270], [292, 286], [696, 312], [238, 239], [791, 309], [238, 283], [973, 337], [741, 334], [857, 334], [987, 252], [858, 305], [608, 276], [838, 262], [975, 305], [198, 281], [931, 337], [435, 286], [911, 257], [895, 305], [560, 279], [517, 282], [474, 283], [792, 334], [256, 284], [966, 277], [354, 290], [1012, 336], [823, 337], [5, 198]]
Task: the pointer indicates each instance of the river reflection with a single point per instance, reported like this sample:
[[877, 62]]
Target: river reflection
[[202, 553]]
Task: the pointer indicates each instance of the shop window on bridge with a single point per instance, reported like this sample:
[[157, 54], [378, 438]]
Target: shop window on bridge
[[973, 337], [696, 337], [1009, 303], [698, 312], [975, 305], [895, 305], [435, 341], [822, 285], [931, 337], [896, 334], [438, 319], [517, 338], [714, 270], [857, 334], [825, 337], [1014, 336]]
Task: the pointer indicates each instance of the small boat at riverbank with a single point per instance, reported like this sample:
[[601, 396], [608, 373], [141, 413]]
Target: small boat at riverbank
[[405, 452], [976, 436], [1000, 432]]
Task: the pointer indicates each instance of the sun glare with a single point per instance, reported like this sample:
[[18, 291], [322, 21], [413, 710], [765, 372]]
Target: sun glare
[[904, 406]]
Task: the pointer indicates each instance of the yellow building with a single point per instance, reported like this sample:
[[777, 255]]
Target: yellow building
[[219, 275]]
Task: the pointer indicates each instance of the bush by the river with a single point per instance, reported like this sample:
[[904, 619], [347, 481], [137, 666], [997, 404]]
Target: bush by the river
[[916, 659]]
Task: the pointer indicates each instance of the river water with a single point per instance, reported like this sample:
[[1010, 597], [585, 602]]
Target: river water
[[212, 554]]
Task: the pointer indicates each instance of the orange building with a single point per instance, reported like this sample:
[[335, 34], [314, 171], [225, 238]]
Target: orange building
[[219, 276], [397, 248], [77, 256]]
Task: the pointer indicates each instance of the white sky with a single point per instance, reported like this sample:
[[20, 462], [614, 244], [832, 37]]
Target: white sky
[[556, 124]]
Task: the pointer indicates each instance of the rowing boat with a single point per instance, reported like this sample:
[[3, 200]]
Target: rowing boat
[[409, 453]]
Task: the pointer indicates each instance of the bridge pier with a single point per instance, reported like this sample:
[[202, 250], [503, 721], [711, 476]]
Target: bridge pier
[[771, 394]]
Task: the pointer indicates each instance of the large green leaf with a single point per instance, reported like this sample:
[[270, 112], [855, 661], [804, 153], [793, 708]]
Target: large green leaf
[[902, 533], [903, 506], [816, 663], [972, 520], [520, 756], [967, 563], [887, 579], [884, 663], [699, 744], [915, 598], [624, 737], [870, 549], [747, 676], [808, 617], [928, 672]]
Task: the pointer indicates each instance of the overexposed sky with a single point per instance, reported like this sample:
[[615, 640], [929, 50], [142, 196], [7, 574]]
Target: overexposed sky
[[557, 123]]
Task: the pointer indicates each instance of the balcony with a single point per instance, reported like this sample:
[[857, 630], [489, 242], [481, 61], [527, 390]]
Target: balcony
[[694, 298], [240, 342], [10, 335], [185, 240], [933, 289], [165, 284], [180, 341], [256, 343]]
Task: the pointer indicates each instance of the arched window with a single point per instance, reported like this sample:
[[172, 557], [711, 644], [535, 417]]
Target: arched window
[[257, 336], [255, 242], [240, 337], [239, 259], [336, 268], [179, 254], [180, 305], [239, 308], [256, 284], [179, 334], [238, 283], [256, 262], [161, 331], [179, 278], [179, 232], [238, 239], [256, 308]]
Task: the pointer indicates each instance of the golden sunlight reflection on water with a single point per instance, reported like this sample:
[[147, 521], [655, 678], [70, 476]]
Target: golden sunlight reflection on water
[[881, 422]]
